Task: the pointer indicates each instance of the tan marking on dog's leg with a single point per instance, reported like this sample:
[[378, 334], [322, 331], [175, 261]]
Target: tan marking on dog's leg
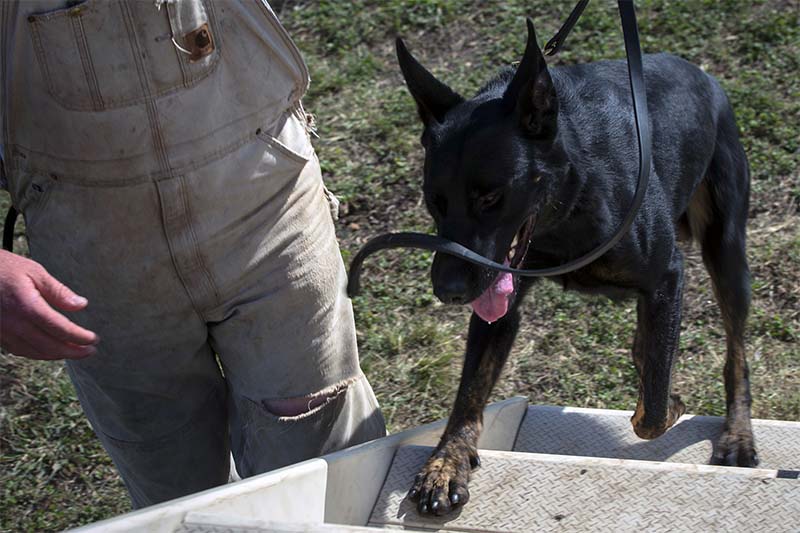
[[699, 211]]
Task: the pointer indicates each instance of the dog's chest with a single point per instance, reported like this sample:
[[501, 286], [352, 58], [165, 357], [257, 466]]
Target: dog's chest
[[599, 280]]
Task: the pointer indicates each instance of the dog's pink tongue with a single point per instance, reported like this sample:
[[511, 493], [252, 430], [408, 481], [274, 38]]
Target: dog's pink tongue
[[492, 305]]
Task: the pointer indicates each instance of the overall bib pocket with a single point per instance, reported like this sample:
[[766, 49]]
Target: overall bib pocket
[[98, 55]]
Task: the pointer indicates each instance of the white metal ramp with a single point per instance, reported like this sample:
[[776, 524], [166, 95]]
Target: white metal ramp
[[543, 468]]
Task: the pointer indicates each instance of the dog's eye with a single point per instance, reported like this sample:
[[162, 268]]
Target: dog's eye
[[488, 201]]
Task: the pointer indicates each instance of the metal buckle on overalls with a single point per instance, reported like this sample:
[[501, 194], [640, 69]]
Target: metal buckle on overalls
[[199, 42]]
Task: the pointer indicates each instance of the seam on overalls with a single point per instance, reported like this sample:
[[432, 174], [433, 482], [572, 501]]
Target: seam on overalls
[[272, 18], [165, 224], [196, 245], [160, 145], [209, 158], [44, 67], [170, 12], [276, 144], [110, 102], [144, 81], [86, 62]]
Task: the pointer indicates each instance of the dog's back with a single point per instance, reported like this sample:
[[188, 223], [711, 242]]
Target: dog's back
[[688, 112]]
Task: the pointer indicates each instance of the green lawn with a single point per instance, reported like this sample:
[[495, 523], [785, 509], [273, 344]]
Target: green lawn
[[572, 350]]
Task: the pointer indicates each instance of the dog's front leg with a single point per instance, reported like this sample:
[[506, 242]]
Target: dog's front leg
[[442, 482], [655, 349]]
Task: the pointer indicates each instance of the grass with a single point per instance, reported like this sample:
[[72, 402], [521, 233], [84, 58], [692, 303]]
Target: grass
[[572, 350]]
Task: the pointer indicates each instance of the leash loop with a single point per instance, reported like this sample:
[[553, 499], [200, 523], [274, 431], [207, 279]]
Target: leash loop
[[638, 96], [554, 45]]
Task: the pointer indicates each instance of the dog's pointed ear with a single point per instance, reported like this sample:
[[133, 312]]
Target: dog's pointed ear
[[531, 94], [433, 97]]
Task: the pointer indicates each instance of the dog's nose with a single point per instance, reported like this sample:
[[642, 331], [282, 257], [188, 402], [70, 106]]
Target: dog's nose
[[451, 278], [451, 291]]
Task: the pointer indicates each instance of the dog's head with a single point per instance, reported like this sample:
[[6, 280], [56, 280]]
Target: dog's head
[[489, 163]]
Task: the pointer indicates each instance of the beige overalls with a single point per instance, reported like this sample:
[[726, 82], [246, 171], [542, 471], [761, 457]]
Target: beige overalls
[[161, 159]]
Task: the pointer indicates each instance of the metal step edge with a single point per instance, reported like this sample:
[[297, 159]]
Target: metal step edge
[[761, 473], [623, 412], [608, 433]]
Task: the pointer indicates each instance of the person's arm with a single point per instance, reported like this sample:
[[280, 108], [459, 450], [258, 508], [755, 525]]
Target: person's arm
[[29, 326]]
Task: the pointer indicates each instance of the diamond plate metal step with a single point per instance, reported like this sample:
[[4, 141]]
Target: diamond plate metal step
[[536, 492], [605, 433]]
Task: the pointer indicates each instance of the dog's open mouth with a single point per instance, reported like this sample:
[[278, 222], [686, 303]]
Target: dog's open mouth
[[493, 303]]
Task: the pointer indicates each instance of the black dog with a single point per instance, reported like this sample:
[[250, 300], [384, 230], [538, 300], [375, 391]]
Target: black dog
[[539, 168]]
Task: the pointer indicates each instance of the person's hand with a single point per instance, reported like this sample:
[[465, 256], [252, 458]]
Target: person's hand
[[29, 327]]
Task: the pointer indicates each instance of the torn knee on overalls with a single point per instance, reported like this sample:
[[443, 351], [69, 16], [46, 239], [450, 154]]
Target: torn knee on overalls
[[303, 405]]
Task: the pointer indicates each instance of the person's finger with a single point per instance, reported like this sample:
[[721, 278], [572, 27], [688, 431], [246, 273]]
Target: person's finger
[[52, 348], [37, 344], [57, 325], [56, 293]]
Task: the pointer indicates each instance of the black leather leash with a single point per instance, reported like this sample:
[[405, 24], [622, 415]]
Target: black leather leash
[[439, 244], [554, 45]]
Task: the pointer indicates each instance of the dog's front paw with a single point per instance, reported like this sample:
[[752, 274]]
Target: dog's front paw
[[648, 429], [441, 485], [735, 448]]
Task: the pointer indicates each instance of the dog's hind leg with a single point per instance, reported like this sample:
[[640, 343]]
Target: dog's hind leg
[[655, 349], [442, 482], [722, 238]]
